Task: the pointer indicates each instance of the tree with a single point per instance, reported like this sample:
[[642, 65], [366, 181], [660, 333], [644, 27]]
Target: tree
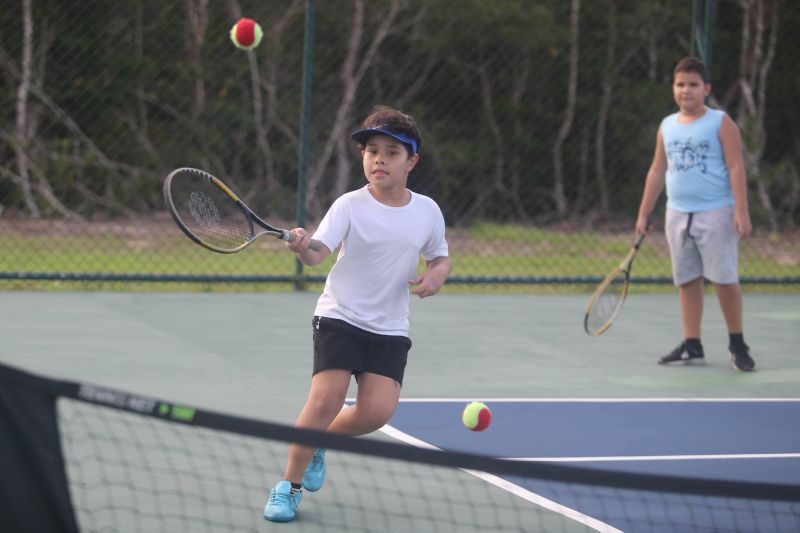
[[759, 40], [559, 196]]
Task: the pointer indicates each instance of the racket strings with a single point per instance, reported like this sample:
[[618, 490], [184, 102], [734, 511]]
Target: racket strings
[[209, 213], [203, 210], [607, 303]]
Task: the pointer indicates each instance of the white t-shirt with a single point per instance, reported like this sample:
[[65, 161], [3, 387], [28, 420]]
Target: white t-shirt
[[381, 245]]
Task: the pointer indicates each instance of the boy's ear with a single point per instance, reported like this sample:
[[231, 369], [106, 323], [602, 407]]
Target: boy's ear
[[707, 89], [412, 162]]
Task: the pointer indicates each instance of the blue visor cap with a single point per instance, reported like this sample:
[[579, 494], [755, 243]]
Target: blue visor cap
[[362, 136]]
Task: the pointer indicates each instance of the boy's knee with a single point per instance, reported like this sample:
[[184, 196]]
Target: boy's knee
[[327, 405], [376, 416]]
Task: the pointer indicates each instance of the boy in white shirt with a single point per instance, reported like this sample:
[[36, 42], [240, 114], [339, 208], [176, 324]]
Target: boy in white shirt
[[360, 324]]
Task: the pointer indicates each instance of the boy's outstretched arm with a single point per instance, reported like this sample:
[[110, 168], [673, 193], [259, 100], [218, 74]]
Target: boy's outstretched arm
[[731, 141], [429, 282], [653, 185]]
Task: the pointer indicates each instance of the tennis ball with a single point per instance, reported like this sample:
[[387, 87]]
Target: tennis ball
[[476, 416], [246, 34]]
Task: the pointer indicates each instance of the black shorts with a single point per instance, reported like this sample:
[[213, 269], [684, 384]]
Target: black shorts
[[338, 344]]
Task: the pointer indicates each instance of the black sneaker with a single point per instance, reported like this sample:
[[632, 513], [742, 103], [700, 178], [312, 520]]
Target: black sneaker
[[740, 358], [682, 356]]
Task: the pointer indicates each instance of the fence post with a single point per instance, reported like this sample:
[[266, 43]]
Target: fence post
[[703, 18], [305, 113]]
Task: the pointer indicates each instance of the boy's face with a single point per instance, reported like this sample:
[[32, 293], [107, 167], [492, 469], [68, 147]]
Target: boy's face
[[386, 162], [690, 91]]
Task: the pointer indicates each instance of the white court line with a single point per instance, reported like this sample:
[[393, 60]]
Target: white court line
[[593, 400], [525, 494], [582, 459]]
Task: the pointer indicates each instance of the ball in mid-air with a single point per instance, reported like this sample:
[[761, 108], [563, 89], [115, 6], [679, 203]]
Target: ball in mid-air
[[246, 34], [476, 416]]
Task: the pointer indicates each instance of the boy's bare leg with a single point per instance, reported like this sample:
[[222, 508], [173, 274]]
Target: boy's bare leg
[[691, 297], [730, 301], [376, 402], [325, 400]]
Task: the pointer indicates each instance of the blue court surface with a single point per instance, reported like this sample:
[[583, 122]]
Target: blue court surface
[[722, 439]]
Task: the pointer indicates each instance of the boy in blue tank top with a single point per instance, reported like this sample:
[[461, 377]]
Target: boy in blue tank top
[[698, 155]]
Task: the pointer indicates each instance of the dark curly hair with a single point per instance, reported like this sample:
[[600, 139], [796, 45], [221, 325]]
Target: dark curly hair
[[395, 121], [692, 64]]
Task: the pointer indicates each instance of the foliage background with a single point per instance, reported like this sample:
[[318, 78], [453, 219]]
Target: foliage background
[[538, 121]]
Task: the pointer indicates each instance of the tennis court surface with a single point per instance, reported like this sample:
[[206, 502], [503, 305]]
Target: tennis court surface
[[143, 412]]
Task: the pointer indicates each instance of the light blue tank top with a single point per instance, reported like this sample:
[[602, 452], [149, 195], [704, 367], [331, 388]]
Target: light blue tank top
[[697, 178]]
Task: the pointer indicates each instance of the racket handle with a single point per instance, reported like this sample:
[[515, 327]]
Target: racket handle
[[314, 244]]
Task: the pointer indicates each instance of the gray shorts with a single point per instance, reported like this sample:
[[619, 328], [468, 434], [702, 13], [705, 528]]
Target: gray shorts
[[703, 244]]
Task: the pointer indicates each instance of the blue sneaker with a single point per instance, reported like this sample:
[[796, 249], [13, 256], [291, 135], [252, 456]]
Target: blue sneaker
[[282, 504], [314, 476]]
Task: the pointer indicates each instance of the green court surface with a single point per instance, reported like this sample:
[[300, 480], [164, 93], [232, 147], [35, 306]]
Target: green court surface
[[250, 354]]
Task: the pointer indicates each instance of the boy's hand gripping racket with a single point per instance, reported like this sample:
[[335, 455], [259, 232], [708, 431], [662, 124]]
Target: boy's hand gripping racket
[[608, 297], [213, 216]]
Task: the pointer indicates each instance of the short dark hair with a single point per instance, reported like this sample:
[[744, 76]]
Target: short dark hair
[[692, 64], [391, 119]]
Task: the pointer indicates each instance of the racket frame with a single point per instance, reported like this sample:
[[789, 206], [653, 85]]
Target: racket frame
[[624, 267], [268, 229]]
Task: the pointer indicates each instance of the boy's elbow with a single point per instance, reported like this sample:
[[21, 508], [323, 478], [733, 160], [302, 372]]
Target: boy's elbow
[[737, 168], [657, 172]]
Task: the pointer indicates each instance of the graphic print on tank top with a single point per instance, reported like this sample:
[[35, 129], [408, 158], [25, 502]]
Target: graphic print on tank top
[[684, 155]]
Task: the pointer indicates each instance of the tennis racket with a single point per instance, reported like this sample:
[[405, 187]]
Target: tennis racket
[[608, 297], [213, 216]]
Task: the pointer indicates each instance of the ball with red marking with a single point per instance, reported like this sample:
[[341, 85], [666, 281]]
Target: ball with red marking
[[476, 416], [246, 34]]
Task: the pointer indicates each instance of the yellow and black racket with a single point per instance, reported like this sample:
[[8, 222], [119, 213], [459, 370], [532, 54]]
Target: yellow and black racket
[[608, 297], [213, 216]]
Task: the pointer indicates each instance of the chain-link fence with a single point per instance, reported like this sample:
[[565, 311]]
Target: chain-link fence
[[538, 121]]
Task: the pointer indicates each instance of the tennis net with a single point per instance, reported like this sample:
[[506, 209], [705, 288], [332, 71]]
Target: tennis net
[[81, 457]]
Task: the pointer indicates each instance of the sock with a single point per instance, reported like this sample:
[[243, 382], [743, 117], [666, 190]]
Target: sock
[[736, 339], [693, 346], [296, 487]]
